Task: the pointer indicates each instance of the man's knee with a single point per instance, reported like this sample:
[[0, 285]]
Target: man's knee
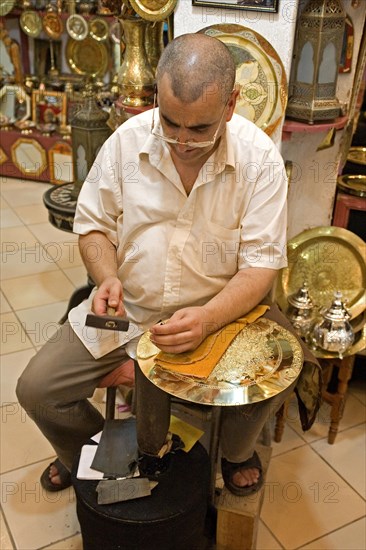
[[30, 389]]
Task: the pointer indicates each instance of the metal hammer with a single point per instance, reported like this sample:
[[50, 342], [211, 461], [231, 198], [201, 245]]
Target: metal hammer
[[107, 322]]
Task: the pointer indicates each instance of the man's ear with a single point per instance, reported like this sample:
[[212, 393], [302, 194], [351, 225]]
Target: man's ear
[[232, 103]]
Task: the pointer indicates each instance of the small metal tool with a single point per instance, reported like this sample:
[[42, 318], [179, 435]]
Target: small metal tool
[[107, 322]]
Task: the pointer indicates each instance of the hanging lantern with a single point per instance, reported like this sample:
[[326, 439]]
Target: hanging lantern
[[317, 54], [89, 130]]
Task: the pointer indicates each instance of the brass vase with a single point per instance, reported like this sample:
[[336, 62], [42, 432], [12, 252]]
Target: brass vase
[[135, 76], [154, 43]]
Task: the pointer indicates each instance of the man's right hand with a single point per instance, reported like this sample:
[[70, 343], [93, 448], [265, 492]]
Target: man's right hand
[[109, 294]]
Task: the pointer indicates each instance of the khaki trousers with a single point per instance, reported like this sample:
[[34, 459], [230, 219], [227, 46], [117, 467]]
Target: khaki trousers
[[55, 387]]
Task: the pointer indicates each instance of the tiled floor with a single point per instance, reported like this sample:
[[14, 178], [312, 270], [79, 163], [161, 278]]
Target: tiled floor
[[315, 492]]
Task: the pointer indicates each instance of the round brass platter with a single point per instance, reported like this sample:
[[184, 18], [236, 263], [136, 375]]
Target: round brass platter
[[352, 184], [76, 26], [273, 377], [260, 75], [52, 25], [357, 155], [328, 259], [31, 23], [98, 29], [153, 10], [87, 56]]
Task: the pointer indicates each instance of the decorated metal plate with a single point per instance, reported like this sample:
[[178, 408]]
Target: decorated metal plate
[[31, 23], [353, 185], [357, 155], [6, 6], [262, 360], [259, 73], [328, 259], [87, 56], [77, 27], [153, 10], [98, 29], [52, 25]]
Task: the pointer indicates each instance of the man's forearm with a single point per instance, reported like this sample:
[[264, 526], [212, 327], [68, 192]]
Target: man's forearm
[[245, 290], [99, 256]]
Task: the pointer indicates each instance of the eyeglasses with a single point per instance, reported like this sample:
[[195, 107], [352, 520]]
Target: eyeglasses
[[190, 144]]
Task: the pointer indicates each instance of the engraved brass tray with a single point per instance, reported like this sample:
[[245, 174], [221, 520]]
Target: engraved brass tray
[[153, 10], [274, 352], [6, 6], [352, 184], [328, 259], [76, 26], [259, 73], [52, 25], [99, 29], [87, 57]]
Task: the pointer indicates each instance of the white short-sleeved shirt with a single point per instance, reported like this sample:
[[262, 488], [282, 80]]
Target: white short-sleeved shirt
[[175, 250]]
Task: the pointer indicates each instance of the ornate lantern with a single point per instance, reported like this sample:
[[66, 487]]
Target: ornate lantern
[[89, 130], [317, 54]]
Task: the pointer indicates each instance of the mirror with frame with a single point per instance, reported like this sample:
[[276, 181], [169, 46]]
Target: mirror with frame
[[15, 104]]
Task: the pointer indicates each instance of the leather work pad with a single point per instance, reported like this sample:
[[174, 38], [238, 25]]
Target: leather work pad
[[117, 452]]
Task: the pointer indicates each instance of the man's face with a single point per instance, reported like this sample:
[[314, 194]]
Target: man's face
[[193, 122]]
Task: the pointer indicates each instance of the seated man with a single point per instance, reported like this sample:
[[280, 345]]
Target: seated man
[[182, 218]]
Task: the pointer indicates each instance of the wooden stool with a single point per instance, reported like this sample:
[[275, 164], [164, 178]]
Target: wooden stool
[[336, 399]]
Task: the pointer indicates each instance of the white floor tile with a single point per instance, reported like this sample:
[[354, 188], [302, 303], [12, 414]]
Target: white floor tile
[[5, 541], [4, 304], [9, 218], [350, 537], [37, 518], [358, 389], [47, 233], [13, 336], [11, 367], [26, 261], [15, 239], [38, 289], [22, 443], [34, 213], [73, 543], [305, 498], [347, 456], [22, 193], [66, 254], [265, 539], [290, 440], [41, 323], [77, 275]]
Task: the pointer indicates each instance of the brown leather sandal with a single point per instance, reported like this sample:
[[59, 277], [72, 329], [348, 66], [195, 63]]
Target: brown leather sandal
[[228, 470], [63, 473]]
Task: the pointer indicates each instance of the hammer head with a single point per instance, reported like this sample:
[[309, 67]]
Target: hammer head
[[107, 322]]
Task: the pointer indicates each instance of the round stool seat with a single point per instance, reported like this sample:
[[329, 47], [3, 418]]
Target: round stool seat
[[171, 518]]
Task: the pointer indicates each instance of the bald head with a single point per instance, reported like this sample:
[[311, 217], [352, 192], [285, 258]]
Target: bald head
[[197, 64]]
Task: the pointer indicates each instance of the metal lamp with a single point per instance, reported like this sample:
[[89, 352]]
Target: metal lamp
[[89, 130], [317, 54]]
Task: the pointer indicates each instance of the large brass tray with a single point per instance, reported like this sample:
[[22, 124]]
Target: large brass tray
[[259, 73], [328, 259], [352, 184], [273, 374]]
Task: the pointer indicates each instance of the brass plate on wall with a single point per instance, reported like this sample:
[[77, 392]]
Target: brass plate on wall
[[88, 57], [287, 364], [31, 23], [153, 10], [77, 27], [52, 25], [259, 73], [6, 6], [98, 29], [328, 259]]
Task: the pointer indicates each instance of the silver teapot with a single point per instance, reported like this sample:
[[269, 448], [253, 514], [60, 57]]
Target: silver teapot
[[334, 332], [300, 311]]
